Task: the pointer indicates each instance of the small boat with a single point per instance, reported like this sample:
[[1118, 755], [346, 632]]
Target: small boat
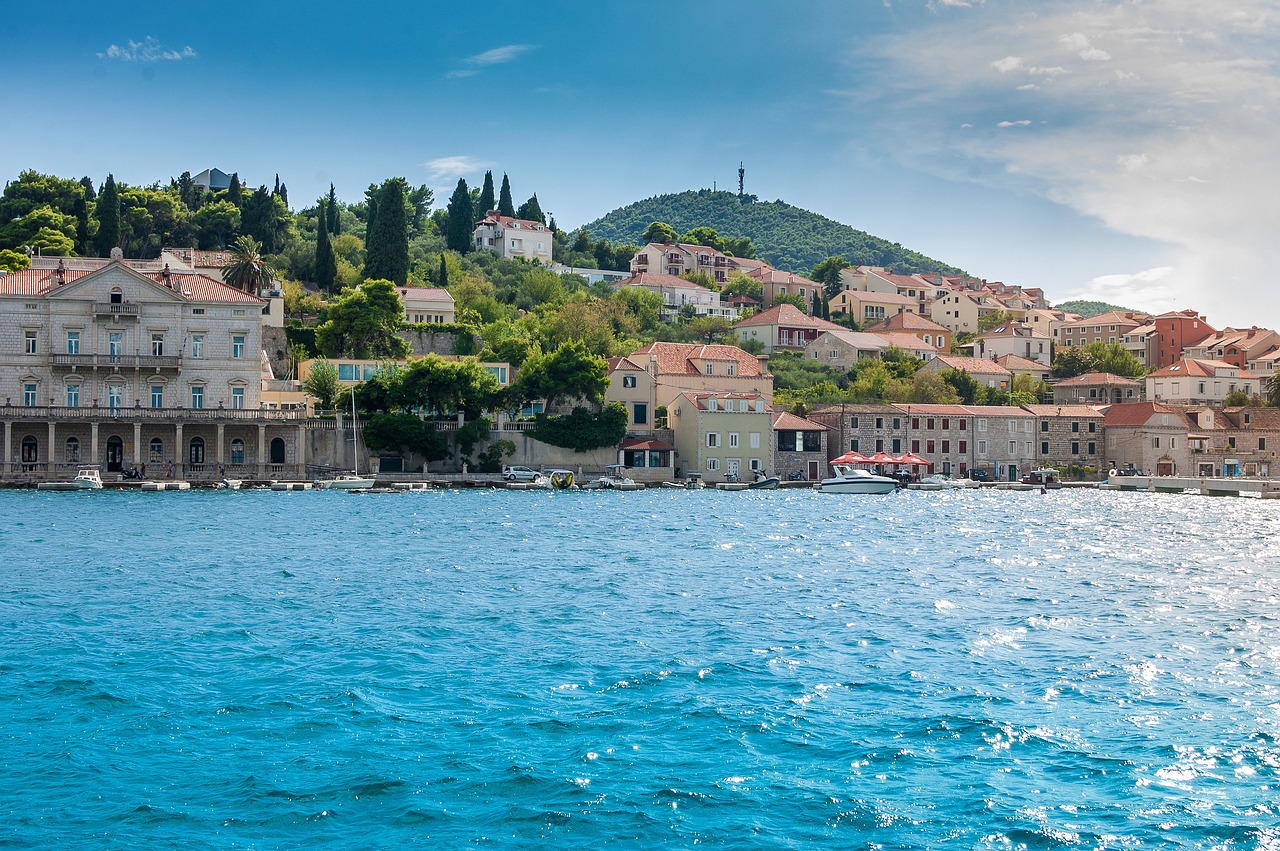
[[560, 480], [692, 482], [1045, 477], [412, 487], [614, 479], [939, 482], [732, 486], [344, 482], [850, 479], [229, 484], [764, 483], [88, 478]]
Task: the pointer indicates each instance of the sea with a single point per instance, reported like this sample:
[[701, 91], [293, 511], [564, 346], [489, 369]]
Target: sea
[[755, 670]]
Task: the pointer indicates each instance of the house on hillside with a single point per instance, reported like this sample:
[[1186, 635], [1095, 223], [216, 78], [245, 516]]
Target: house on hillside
[[1012, 338], [511, 237], [783, 326], [929, 332], [678, 295], [692, 367], [988, 373], [868, 308], [1097, 388], [1193, 381], [721, 435], [1148, 436]]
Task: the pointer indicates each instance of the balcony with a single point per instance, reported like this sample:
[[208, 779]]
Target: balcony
[[117, 361], [139, 413], [115, 308]]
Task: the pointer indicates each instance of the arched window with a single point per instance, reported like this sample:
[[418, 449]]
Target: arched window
[[73, 450], [237, 451], [197, 450], [117, 295], [157, 450], [30, 450], [277, 450]]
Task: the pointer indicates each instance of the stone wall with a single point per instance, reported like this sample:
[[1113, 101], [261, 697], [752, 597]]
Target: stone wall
[[425, 342], [276, 348]]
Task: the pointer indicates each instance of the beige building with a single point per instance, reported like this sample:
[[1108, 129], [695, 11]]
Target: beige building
[[868, 308], [783, 326], [118, 367], [986, 372], [960, 310], [427, 305], [510, 237], [633, 383], [1191, 381], [678, 295], [1012, 338], [1110, 327], [695, 368], [774, 283], [926, 330], [681, 258], [1097, 388], [1149, 436], [721, 435], [843, 348]]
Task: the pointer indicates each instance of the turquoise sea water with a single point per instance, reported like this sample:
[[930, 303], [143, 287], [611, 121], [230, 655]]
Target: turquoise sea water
[[668, 668]]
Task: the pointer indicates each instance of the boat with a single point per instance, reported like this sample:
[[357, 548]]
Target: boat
[[560, 480], [692, 482], [764, 483], [732, 486], [412, 487], [850, 479], [229, 484], [940, 482], [613, 479], [88, 478], [352, 480], [1045, 477]]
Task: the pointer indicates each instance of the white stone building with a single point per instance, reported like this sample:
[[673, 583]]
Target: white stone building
[[509, 237]]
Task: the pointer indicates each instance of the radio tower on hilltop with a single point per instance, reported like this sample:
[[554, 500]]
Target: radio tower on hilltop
[[741, 174]]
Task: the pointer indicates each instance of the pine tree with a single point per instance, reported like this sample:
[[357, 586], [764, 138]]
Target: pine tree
[[443, 278], [108, 215], [326, 262], [461, 218], [505, 205], [89, 194], [387, 250], [331, 209], [485, 204], [235, 192], [531, 211]]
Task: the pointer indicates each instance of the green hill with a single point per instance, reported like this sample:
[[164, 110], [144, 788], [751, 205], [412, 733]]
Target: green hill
[[1091, 308], [788, 237]]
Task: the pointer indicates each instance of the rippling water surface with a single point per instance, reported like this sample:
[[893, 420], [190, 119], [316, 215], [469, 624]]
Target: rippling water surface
[[737, 670]]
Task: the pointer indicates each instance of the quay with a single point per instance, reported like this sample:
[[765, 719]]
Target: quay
[[1211, 486]]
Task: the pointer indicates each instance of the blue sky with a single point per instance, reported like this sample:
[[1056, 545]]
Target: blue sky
[[1120, 150]]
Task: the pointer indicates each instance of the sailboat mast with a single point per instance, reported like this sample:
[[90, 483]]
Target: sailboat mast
[[355, 432]]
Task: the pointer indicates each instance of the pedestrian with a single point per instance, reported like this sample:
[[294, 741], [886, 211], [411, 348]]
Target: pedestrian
[[169, 464]]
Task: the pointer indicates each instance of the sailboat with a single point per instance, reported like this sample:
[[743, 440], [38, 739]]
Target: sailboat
[[352, 480]]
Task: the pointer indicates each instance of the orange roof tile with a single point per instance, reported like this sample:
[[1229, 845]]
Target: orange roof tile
[[790, 316], [677, 358], [190, 286]]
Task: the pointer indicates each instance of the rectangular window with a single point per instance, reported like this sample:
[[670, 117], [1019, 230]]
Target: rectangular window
[[982, 447], [197, 311], [1155, 443], [115, 346], [157, 396], [1075, 448], [982, 425], [964, 446], [730, 370], [897, 445], [237, 346], [73, 395], [1093, 427], [628, 381], [915, 422], [157, 345], [853, 445], [29, 343], [928, 446], [1044, 425], [946, 447], [915, 446], [73, 342], [1093, 449], [733, 440], [29, 395], [1013, 448], [237, 398], [1044, 447], [1075, 427], [197, 397], [1262, 443], [640, 413], [347, 372], [963, 425], [928, 423], [713, 439], [897, 422], [879, 445], [115, 394], [197, 345], [946, 424], [879, 422], [754, 440], [853, 422]]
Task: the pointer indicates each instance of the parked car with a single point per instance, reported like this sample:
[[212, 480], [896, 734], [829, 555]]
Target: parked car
[[519, 473]]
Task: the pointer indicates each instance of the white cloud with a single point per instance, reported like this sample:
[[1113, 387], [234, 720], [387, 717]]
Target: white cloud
[[1023, 123], [496, 56], [1148, 290], [443, 168], [1163, 129], [147, 50]]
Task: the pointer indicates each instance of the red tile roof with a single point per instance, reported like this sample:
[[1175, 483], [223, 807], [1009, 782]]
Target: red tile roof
[[1064, 410], [976, 365], [1197, 368], [658, 279], [1017, 362], [932, 409], [908, 322], [677, 358], [1134, 413], [646, 443], [903, 340], [789, 316], [784, 421], [493, 217], [41, 282], [1089, 379]]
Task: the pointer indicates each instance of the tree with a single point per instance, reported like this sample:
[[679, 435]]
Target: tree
[[216, 224], [929, 387], [966, 386], [709, 329], [334, 222], [108, 215], [387, 241], [405, 432], [13, 261], [659, 232], [570, 372], [531, 211], [1237, 399], [248, 271], [322, 384], [235, 192], [583, 429], [442, 387], [506, 206], [485, 202], [462, 218], [362, 323], [1111, 358], [1273, 389], [794, 299], [442, 277], [994, 319], [326, 261], [827, 273]]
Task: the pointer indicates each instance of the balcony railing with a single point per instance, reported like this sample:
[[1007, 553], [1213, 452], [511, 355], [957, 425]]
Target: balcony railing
[[137, 412], [115, 308], [129, 361]]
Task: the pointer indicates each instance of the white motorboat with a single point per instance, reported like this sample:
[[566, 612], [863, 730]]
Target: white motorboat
[[230, 484], [412, 487], [939, 482], [850, 479], [613, 479], [88, 478], [692, 482]]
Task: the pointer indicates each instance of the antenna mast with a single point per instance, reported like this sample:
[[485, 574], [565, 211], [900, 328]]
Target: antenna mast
[[741, 173]]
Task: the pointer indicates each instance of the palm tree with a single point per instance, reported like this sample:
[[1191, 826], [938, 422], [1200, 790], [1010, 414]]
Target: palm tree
[[1273, 389], [248, 270]]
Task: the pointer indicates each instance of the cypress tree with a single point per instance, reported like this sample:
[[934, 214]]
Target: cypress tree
[[505, 205], [486, 202], [284, 195], [332, 211], [371, 211], [531, 211], [235, 192], [326, 262], [443, 278], [108, 215], [82, 225], [89, 194], [461, 218], [387, 251]]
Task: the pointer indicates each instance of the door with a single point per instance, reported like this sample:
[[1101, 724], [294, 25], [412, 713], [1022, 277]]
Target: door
[[1164, 468], [1013, 472], [731, 468], [115, 454], [277, 450], [813, 471]]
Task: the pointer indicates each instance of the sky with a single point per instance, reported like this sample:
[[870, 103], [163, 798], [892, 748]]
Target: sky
[[1124, 151]]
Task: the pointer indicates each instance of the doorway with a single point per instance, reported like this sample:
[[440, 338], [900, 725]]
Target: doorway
[[115, 454]]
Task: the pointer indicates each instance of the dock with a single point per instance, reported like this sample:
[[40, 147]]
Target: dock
[[1207, 485]]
